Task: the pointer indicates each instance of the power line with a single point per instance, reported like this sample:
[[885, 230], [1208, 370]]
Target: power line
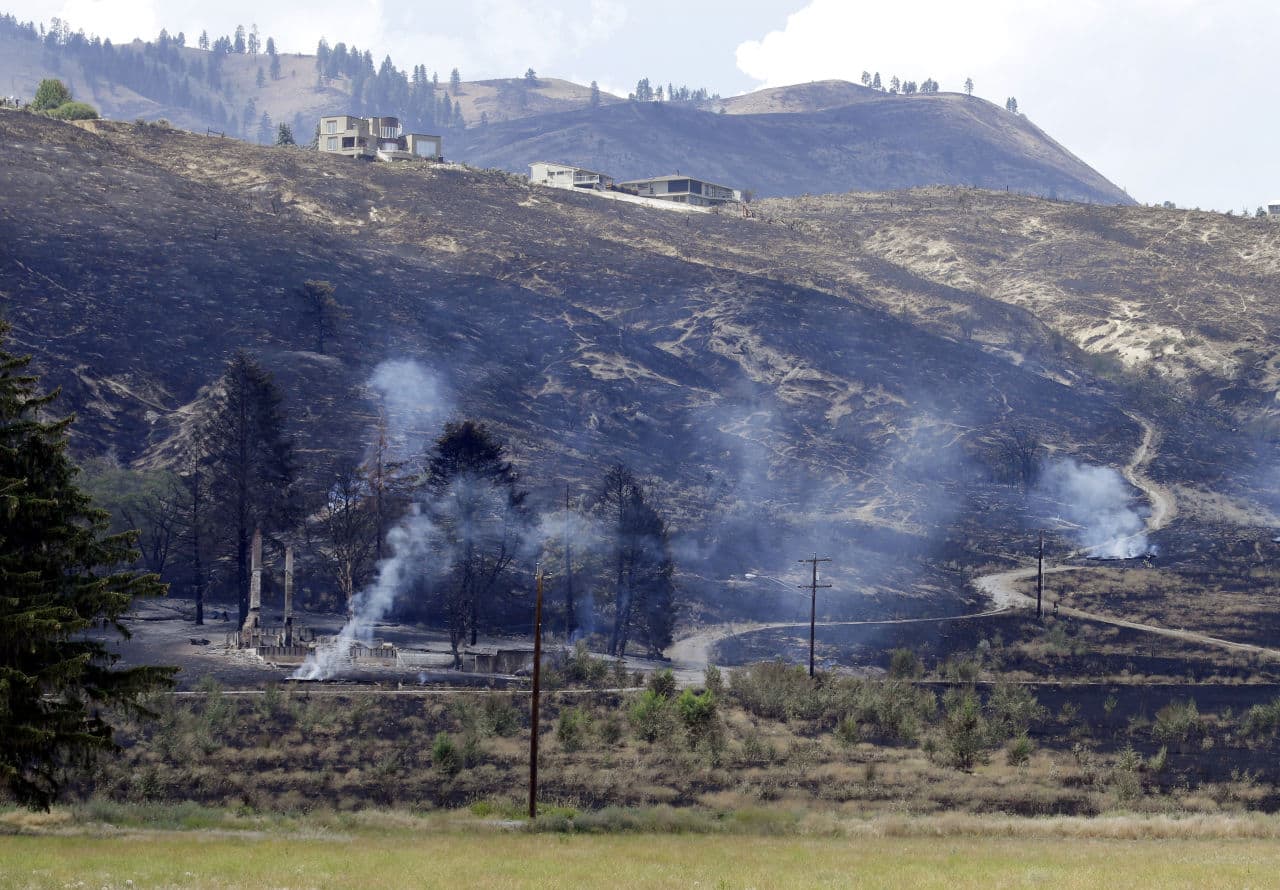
[[812, 587]]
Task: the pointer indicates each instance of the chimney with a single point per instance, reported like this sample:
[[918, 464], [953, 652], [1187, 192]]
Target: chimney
[[288, 595], [255, 581]]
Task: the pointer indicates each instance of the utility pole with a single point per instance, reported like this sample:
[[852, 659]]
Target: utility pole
[[533, 708], [570, 610], [1040, 580], [812, 587]]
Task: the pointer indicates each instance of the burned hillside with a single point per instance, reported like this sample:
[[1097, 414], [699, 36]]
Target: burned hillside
[[797, 380]]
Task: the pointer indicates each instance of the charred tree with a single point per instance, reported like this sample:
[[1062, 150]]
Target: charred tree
[[322, 310], [348, 529], [478, 510], [249, 460]]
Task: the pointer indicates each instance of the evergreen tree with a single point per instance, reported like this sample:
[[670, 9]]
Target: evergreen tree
[[478, 508], [254, 43], [249, 460], [284, 135], [275, 67], [455, 82], [875, 81], [595, 95], [204, 40], [239, 44], [271, 47], [266, 130], [1011, 105], [261, 79], [322, 309], [640, 564], [968, 86], [59, 580], [50, 94]]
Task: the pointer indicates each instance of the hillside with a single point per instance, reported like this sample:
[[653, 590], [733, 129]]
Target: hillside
[[882, 142], [820, 138], [837, 373]]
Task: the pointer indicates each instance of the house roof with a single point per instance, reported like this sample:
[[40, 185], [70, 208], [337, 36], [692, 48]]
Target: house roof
[[567, 167], [673, 177]]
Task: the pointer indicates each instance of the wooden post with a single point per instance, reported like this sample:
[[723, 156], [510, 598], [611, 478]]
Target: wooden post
[[533, 707], [813, 604], [1040, 580]]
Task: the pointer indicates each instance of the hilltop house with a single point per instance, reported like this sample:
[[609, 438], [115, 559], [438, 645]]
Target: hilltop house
[[1273, 208], [568, 177], [376, 138], [682, 190]]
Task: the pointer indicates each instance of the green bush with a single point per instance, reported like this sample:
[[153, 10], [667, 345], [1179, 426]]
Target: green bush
[[572, 728], [444, 754], [1261, 720], [1019, 751], [50, 94], [663, 683], [697, 713], [74, 111], [894, 710], [651, 715], [778, 691], [965, 732], [1012, 709], [905, 665], [583, 669], [1177, 723], [713, 680]]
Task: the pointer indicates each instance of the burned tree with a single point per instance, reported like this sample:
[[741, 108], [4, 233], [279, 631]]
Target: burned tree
[[478, 510], [640, 563], [348, 530], [387, 484], [249, 460], [1018, 453], [322, 309]]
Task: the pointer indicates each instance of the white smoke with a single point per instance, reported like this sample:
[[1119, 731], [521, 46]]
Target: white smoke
[[413, 402], [410, 548], [1098, 502]]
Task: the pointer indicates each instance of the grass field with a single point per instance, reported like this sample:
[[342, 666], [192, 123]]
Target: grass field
[[453, 851]]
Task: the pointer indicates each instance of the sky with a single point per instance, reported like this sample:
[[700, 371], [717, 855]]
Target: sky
[[1170, 99]]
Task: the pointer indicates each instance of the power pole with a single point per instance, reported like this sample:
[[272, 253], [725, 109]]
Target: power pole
[[812, 587], [570, 610], [1040, 580], [533, 707]]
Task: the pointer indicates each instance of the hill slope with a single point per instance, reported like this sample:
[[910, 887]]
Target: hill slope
[[836, 373], [821, 137], [881, 142]]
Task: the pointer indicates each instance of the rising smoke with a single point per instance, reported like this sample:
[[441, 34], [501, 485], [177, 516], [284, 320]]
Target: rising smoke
[[413, 403], [1097, 504]]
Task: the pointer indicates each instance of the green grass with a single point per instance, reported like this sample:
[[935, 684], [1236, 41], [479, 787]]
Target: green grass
[[457, 850]]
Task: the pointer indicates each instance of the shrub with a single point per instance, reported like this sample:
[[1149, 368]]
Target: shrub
[[584, 669], [663, 683], [713, 680], [1012, 709], [893, 709], [1261, 720], [1177, 722], [905, 665], [1019, 751], [1158, 761], [571, 729], [697, 712], [74, 111], [50, 94], [651, 715], [444, 754], [964, 730], [776, 691]]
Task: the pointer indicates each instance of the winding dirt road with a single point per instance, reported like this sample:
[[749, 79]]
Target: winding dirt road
[[1002, 588]]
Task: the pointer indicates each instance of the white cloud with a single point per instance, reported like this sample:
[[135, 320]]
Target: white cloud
[[1154, 93]]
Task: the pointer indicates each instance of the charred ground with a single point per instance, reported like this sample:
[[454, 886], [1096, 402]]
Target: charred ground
[[833, 373]]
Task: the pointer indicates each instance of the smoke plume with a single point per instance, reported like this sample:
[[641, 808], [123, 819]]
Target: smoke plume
[[1097, 502]]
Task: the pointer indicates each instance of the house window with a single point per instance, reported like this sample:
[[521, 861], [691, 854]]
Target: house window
[[331, 126], [331, 143], [677, 185]]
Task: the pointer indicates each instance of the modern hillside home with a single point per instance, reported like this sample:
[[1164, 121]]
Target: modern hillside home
[[376, 138], [568, 177], [683, 190], [1273, 208]]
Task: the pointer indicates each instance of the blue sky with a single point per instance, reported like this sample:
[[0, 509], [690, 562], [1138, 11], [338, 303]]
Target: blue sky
[[1171, 99]]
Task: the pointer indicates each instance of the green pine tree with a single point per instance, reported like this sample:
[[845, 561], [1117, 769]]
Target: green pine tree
[[60, 577]]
